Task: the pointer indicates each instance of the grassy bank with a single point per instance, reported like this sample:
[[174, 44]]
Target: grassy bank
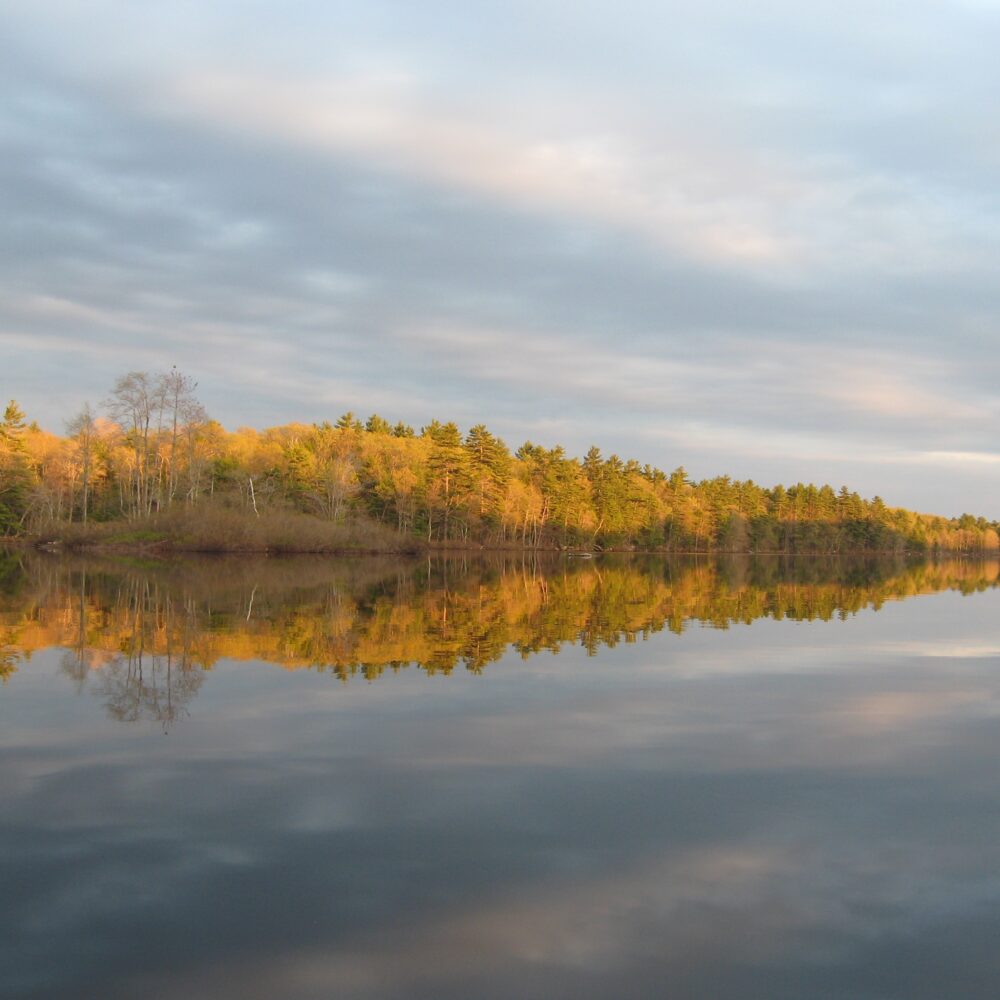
[[222, 529]]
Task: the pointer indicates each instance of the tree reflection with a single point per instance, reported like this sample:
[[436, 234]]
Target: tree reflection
[[152, 675], [143, 637], [155, 689], [155, 675]]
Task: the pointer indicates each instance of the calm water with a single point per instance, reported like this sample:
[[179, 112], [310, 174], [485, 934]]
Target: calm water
[[585, 778]]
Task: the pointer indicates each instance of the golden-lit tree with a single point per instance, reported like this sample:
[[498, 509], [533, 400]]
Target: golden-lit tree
[[157, 448]]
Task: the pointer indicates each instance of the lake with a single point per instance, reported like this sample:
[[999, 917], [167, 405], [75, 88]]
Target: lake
[[504, 777]]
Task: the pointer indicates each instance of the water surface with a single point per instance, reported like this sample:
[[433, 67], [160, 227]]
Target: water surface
[[499, 778]]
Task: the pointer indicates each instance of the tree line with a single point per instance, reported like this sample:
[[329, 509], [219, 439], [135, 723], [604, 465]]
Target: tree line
[[151, 448]]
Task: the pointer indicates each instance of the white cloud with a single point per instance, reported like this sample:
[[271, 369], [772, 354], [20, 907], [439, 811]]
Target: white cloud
[[709, 198]]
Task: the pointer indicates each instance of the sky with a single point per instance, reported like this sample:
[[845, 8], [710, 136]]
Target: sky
[[760, 239]]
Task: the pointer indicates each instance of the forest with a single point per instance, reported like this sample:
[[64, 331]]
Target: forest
[[151, 468]]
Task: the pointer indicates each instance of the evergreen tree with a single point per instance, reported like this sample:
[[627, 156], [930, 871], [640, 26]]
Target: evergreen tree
[[450, 478], [16, 478], [376, 425], [489, 468]]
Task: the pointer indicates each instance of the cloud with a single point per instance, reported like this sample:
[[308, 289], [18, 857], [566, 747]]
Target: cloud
[[683, 201], [981, 458], [772, 260]]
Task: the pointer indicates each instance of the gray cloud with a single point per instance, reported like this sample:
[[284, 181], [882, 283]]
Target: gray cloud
[[762, 243]]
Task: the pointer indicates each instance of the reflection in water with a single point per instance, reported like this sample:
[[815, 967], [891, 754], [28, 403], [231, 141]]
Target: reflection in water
[[153, 676], [152, 630], [799, 810], [147, 628]]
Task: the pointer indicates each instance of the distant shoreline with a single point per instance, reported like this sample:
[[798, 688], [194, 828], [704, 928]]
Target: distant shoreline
[[155, 473], [107, 543]]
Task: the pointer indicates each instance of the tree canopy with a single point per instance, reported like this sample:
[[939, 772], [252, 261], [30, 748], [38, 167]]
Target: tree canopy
[[153, 447]]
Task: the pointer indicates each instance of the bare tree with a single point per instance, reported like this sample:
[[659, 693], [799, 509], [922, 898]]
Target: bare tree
[[133, 403], [182, 409], [82, 429], [148, 409]]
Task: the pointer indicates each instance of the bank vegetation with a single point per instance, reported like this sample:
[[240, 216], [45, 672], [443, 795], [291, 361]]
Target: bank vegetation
[[151, 469]]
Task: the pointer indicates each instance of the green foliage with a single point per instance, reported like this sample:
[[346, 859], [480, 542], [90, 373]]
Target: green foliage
[[17, 475], [348, 422], [377, 425]]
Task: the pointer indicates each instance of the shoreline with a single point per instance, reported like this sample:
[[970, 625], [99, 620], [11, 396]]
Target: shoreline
[[170, 547]]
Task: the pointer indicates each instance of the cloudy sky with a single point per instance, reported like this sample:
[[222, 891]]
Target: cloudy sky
[[757, 239]]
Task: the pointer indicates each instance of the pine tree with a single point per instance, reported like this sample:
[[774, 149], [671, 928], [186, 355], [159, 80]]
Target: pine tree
[[450, 475], [16, 475], [489, 467]]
